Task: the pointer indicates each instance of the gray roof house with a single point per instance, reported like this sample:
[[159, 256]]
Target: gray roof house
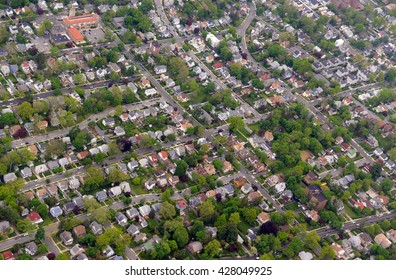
[[132, 213], [66, 238], [9, 177], [96, 228], [31, 248], [101, 196], [56, 211], [133, 230], [26, 172], [121, 219]]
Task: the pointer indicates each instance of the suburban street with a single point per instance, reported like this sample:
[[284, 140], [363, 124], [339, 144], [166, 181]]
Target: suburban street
[[357, 223]]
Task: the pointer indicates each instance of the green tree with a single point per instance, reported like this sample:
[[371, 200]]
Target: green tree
[[40, 234], [236, 123], [213, 248], [181, 168], [62, 256], [327, 253], [24, 225], [167, 211], [25, 110], [181, 236], [207, 212], [101, 215]]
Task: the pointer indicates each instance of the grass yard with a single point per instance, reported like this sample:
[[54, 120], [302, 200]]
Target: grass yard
[[348, 209]]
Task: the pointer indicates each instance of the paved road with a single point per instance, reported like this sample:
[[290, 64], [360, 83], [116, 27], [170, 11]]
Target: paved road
[[97, 84], [52, 228], [357, 223], [109, 161], [84, 124]]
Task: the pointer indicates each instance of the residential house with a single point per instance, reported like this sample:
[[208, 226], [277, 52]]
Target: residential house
[[96, 228], [79, 231], [66, 238], [194, 247], [315, 194]]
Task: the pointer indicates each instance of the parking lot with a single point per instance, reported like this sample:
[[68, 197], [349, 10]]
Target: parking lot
[[94, 35]]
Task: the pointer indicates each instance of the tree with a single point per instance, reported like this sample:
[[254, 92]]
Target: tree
[[181, 168], [42, 209], [327, 253], [213, 248], [40, 234], [236, 123], [25, 110], [207, 212], [101, 215], [234, 218], [376, 170], [116, 176], [56, 148], [167, 211], [302, 66], [181, 236], [249, 215], [24, 225], [312, 239], [178, 67], [91, 204]]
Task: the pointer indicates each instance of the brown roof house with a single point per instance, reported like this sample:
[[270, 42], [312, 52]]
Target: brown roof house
[[263, 218], [194, 247], [79, 231], [316, 196], [382, 240]]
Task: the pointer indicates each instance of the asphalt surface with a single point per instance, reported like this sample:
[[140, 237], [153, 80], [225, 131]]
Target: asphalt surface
[[357, 223]]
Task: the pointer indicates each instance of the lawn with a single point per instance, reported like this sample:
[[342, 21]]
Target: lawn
[[138, 190], [255, 127], [292, 206], [243, 227], [350, 211]]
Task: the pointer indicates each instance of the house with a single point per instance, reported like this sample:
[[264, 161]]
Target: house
[[140, 237], [315, 194], [382, 240], [96, 228], [161, 69], [150, 92], [115, 191], [31, 248], [305, 256], [227, 167], [133, 230], [121, 219], [110, 122], [35, 218], [263, 218], [66, 238], [119, 131], [310, 177], [9, 177], [133, 165], [108, 252], [144, 210], [132, 213], [56, 211], [41, 125], [4, 225], [76, 250], [101, 196], [181, 205], [391, 234], [254, 196], [79, 231], [8, 255], [194, 247]]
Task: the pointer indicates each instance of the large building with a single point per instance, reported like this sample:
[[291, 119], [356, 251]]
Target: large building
[[75, 35], [87, 21]]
